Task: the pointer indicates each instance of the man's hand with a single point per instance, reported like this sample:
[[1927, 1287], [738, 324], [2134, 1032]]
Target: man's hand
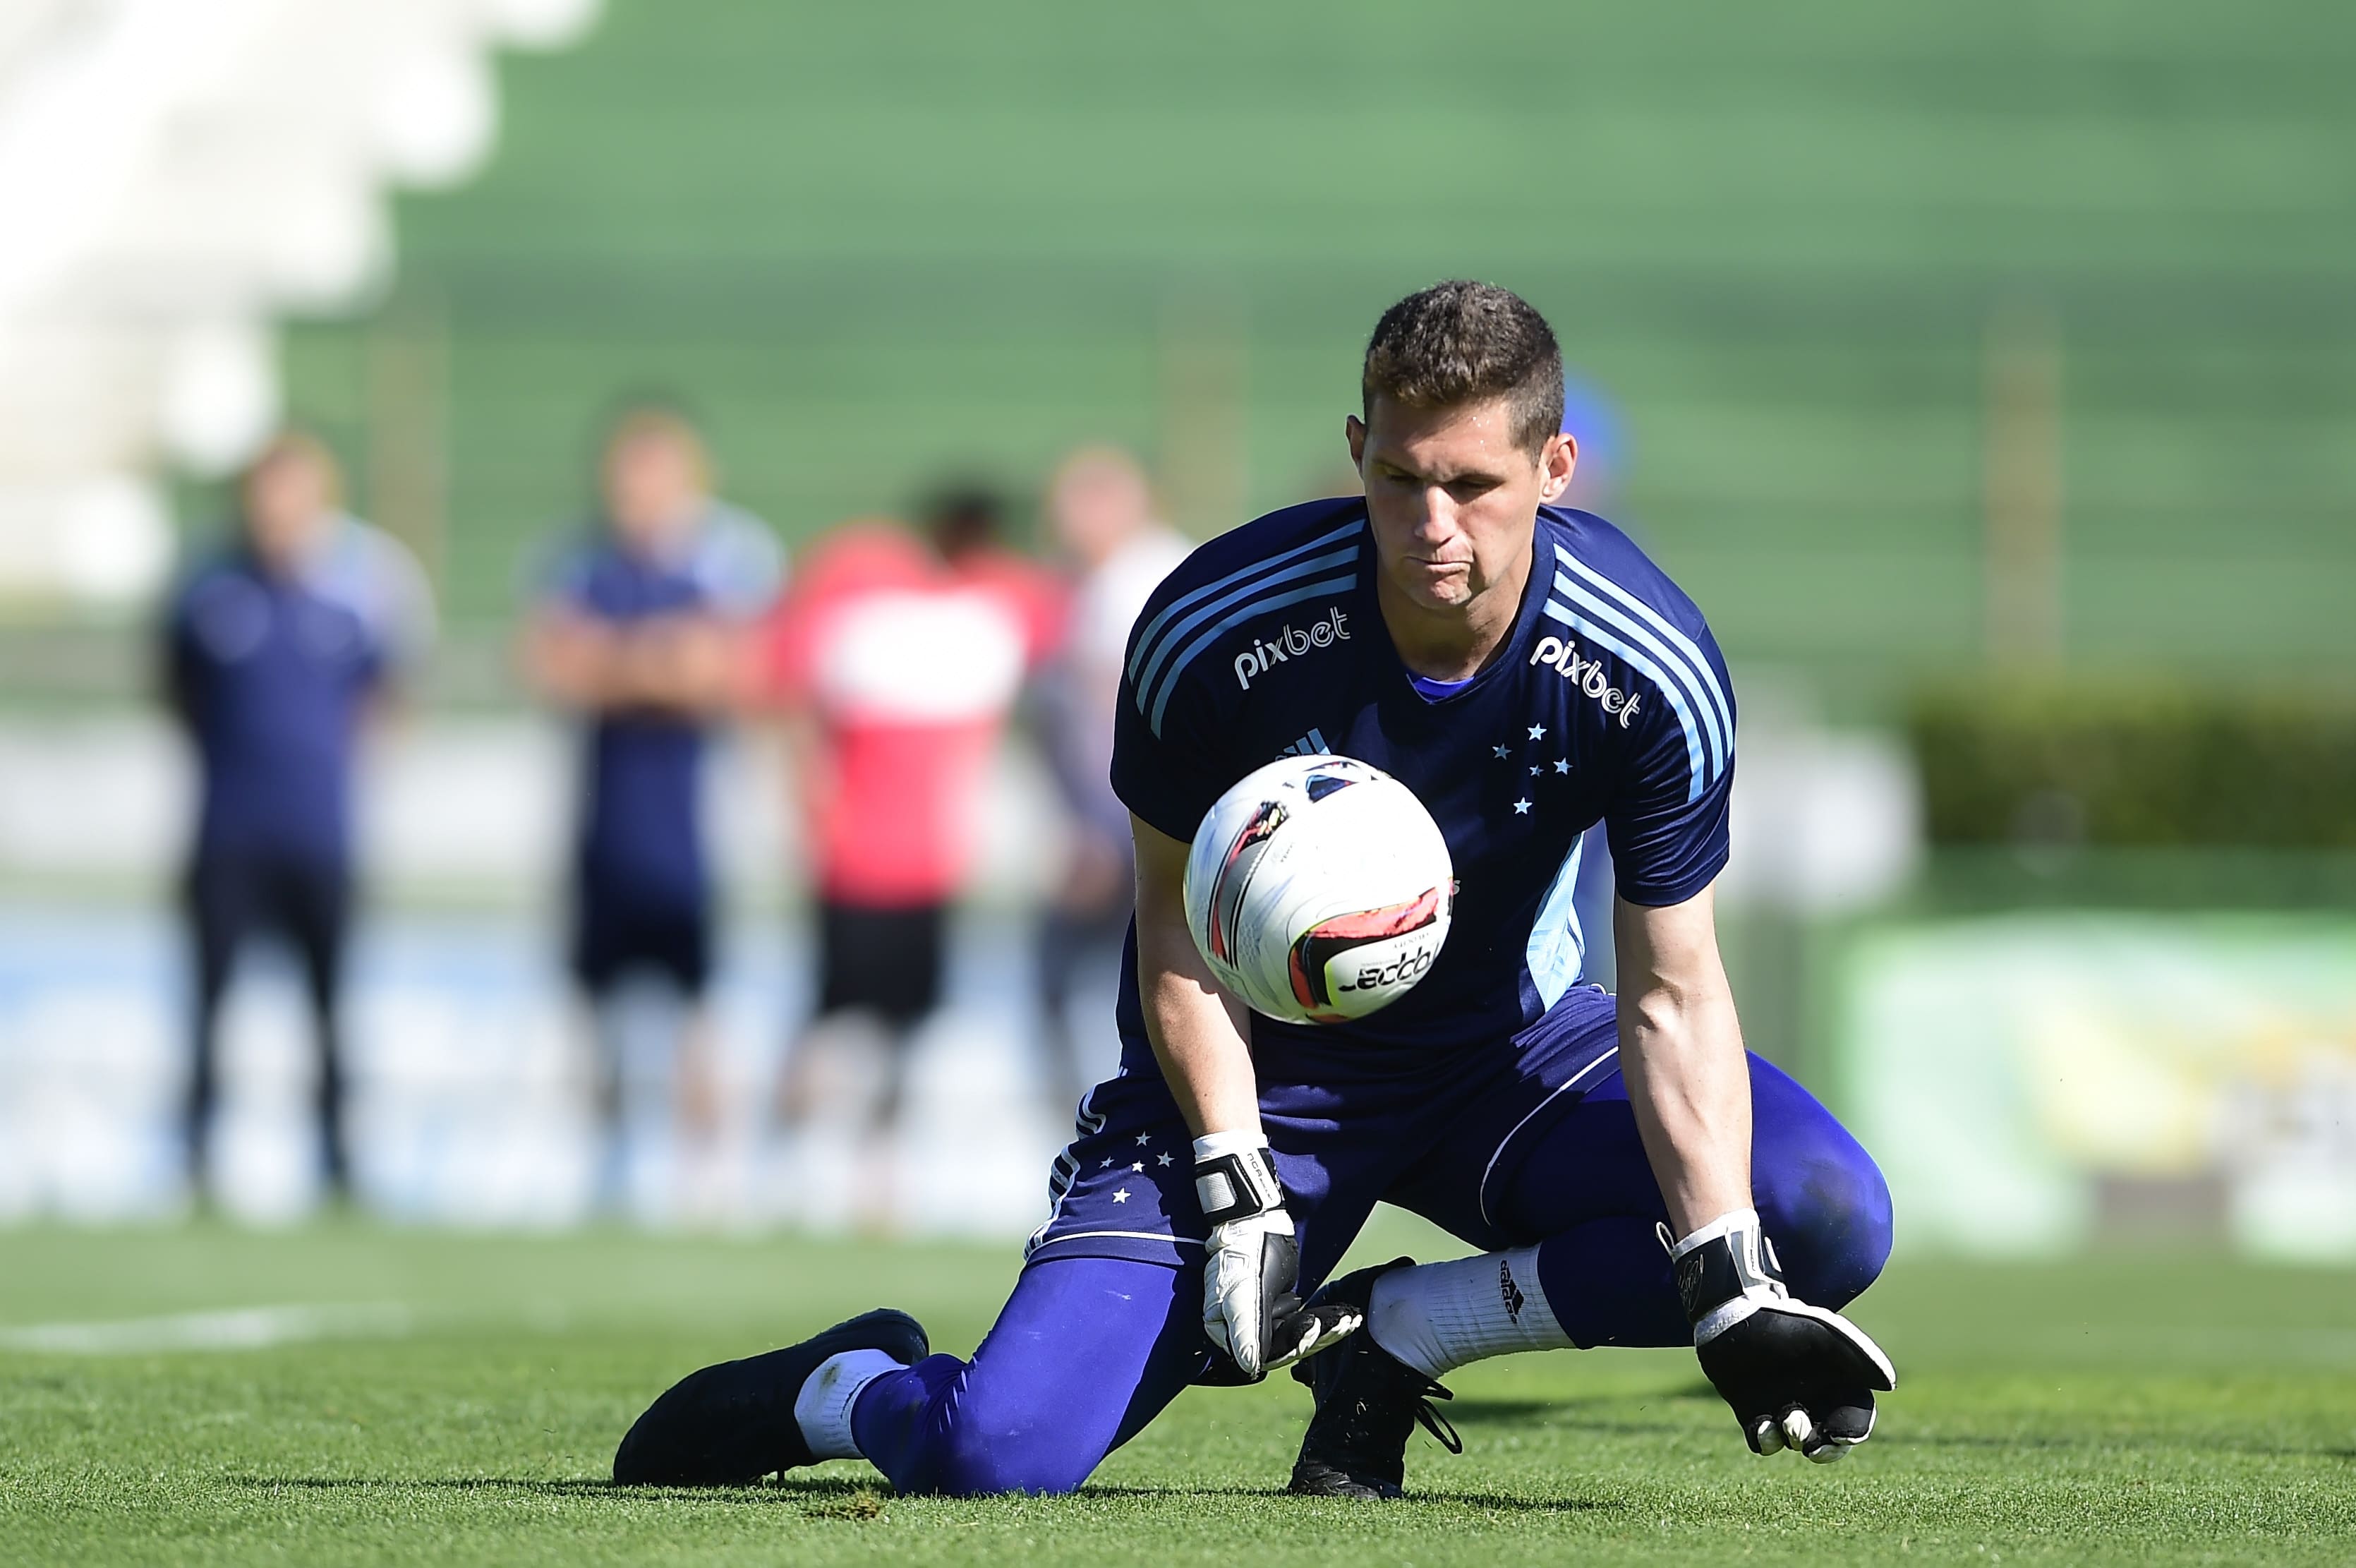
[[1797, 1376], [1251, 1297]]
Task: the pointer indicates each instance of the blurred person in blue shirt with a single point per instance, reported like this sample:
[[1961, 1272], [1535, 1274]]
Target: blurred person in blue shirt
[[641, 630], [276, 648]]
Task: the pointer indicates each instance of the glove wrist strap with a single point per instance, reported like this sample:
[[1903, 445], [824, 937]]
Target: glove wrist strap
[[1234, 1178], [1725, 1271]]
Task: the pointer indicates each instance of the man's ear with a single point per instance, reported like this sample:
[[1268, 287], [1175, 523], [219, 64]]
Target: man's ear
[[1555, 461], [1356, 429]]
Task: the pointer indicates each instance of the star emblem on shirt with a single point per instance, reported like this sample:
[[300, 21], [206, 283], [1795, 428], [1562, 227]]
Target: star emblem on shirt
[[1520, 808], [1121, 1196], [1562, 765], [1104, 1164], [1502, 750], [1535, 771], [1137, 1167], [1538, 732], [1161, 1159], [1143, 1139]]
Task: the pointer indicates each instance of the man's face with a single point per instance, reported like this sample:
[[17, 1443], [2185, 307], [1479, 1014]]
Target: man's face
[[1452, 497], [289, 500], [652, 489]]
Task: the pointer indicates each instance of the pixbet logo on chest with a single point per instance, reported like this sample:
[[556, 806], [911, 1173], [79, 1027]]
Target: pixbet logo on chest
[[1291, 642], [1587, 674]]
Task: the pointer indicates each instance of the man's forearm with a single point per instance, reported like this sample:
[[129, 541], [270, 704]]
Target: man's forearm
[[1689, 1084], [1198, 1032], [1198, 1040]]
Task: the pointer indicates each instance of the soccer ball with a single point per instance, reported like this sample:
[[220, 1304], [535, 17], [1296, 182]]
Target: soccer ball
[[1319, 889]]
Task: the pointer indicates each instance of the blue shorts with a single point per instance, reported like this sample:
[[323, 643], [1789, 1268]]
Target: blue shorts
[[1350, 1125]]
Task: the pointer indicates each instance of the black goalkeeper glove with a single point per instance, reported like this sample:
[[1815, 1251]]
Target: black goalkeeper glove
[[1252, 1296], [1797, 1376]]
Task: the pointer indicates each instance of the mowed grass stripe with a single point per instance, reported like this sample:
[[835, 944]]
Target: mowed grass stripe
[[2116, 1410]]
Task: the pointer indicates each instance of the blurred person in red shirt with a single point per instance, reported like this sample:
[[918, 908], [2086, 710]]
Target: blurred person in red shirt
[[1100, 513], [894, 662], [644, 632]]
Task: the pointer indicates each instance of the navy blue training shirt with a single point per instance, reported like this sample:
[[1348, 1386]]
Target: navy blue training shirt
[[271, 675], [641, 834], [1609, 701]]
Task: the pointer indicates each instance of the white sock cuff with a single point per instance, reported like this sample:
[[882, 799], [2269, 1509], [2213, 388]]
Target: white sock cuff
[[1538, 1323], [822, 1410], [1438, 1317]]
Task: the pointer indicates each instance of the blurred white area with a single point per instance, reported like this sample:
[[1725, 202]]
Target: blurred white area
[[174, 174], [1824, 820], [467, 812], [470, 1091], [471, 1097]]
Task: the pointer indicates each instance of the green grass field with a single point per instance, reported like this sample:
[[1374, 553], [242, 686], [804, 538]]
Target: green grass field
[[2129, 1410]]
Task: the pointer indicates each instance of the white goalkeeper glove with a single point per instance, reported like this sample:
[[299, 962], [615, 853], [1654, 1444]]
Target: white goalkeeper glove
[[1796, 1376], [1252, 1296]]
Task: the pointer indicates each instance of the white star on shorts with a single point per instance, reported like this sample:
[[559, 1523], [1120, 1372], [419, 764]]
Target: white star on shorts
[[1563, 766], [1520, 808], [1137, 1167], [1161, 1159], [1105, 1165], [1121, 1196], [1502, 750], [1143, 1139], [1538, 732]]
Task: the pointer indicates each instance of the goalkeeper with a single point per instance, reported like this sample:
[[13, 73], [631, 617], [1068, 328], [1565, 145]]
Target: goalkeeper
[[1629, 1174]]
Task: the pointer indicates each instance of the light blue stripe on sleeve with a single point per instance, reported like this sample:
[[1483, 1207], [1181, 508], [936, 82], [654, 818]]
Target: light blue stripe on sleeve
[[1644, 665], [1685, 645], [1347, 553], [1181, 603], [1686, 681], [1257, 607]]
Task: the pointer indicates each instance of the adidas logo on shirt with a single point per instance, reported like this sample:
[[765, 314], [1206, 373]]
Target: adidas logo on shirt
[[1310, 744]]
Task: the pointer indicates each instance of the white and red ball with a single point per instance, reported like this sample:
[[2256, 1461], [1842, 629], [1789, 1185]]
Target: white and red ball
[[1319, 889]]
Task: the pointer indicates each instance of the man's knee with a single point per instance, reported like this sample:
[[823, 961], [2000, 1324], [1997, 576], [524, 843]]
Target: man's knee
[[1828, 1216]]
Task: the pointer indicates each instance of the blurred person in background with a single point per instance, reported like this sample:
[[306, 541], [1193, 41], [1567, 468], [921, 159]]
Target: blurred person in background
[[276, 649], [893, 663], [1100, 515], [643, 632]]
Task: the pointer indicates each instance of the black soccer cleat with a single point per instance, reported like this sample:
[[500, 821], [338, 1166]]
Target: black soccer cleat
[[730, 1424], [1368, 1403]]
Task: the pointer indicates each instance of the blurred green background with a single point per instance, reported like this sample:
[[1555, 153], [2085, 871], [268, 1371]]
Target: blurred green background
[[1823, 256]]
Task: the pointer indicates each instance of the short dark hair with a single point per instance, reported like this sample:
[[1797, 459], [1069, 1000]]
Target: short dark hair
[[1460, 342], [962, 516]]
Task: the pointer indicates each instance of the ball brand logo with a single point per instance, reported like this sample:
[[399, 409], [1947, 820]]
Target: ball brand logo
[[1587, 674], [1291, 642], [1406, 967]]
